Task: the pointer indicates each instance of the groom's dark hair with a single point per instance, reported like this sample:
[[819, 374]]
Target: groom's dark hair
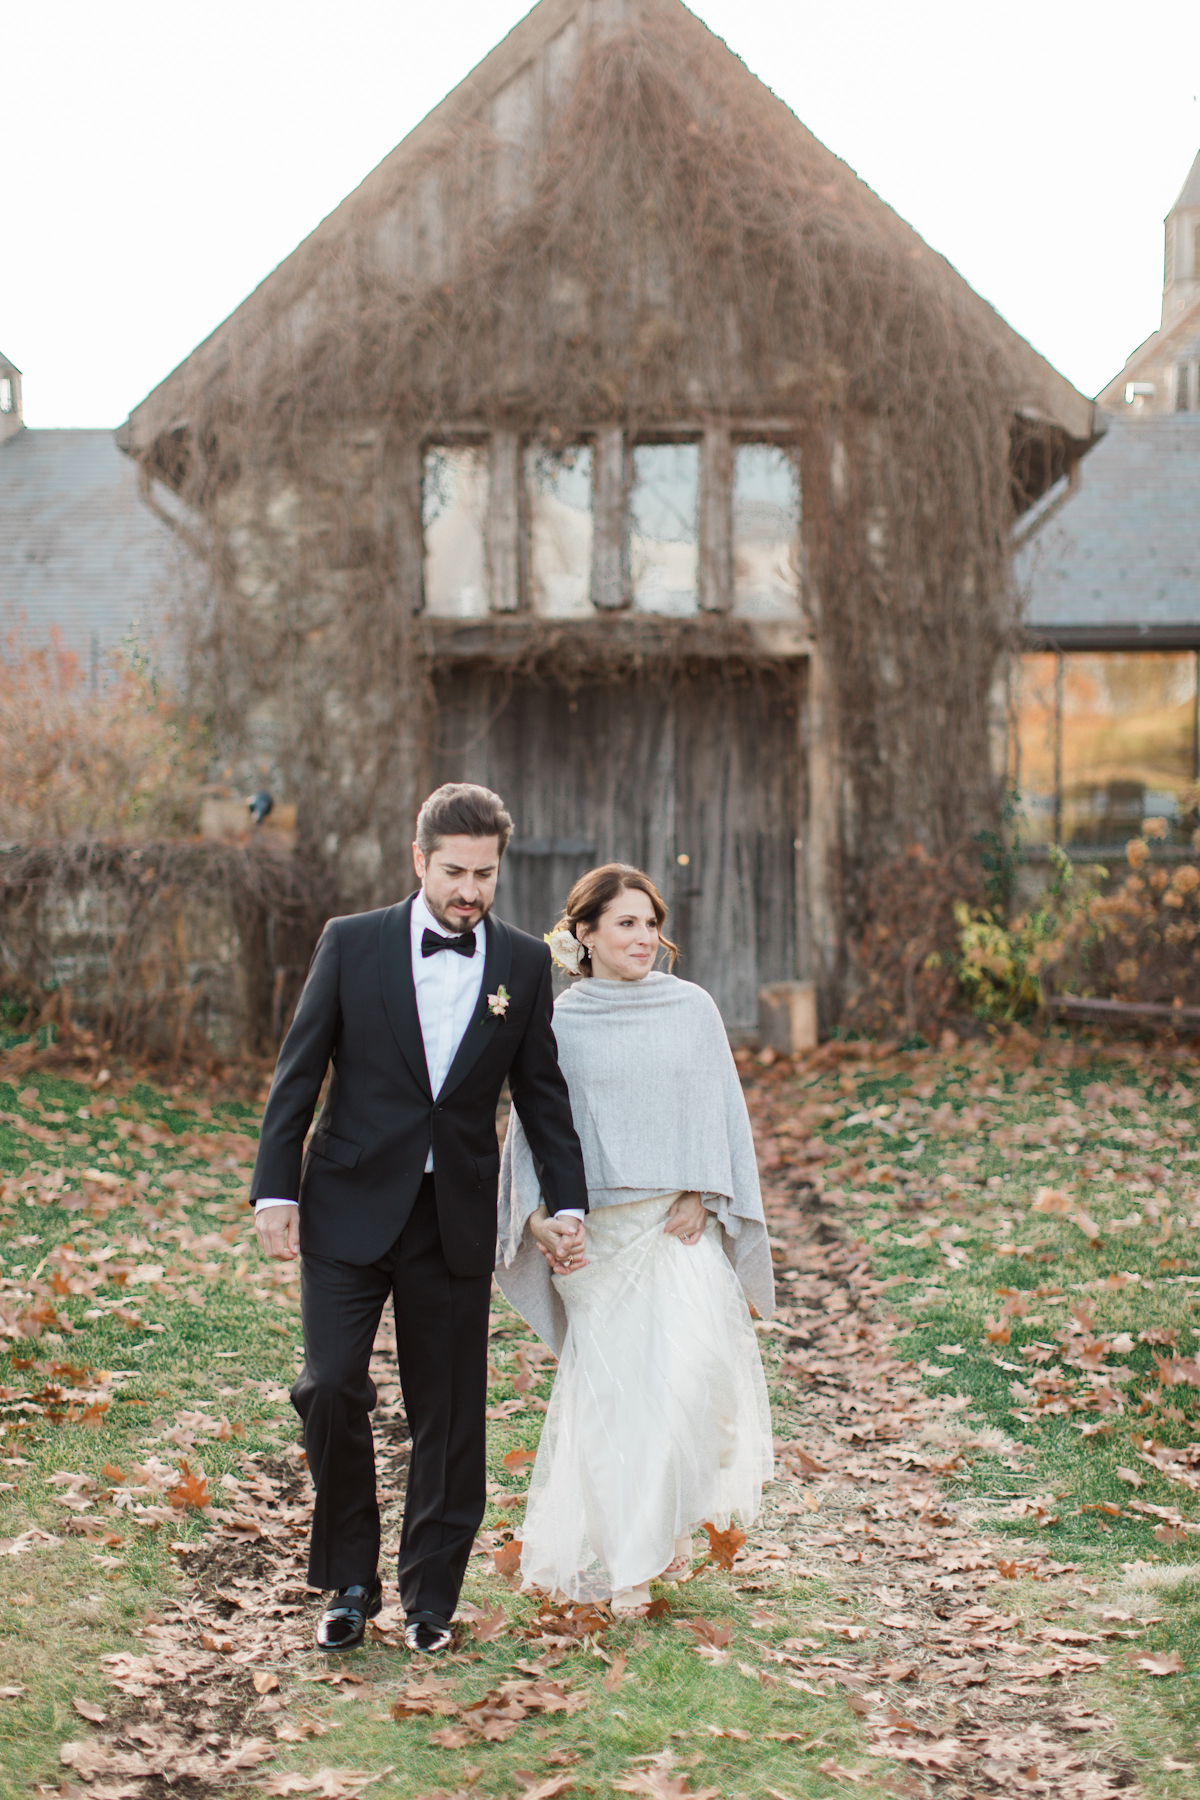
[[462, 809]]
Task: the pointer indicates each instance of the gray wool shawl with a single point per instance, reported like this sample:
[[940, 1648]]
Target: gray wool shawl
[[659, 1109]]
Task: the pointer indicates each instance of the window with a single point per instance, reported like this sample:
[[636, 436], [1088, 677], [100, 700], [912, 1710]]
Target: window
[[1105, 741], [1182, 372], [663, 509], [559, 487], [454, 489], [766, 531], [6, 394]]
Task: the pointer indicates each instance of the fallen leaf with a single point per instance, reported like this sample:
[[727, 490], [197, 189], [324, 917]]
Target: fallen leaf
[[1165, 1662], [616, 1675], [833, 1768], [723, 1546], [190, 1491], [1131, 1476], [549, 1788], [508, 1557], [517, 1461], [450, 1737], [88, 1710], [489, 1626], [329, 1784], [264, 1681], [13, 1691]]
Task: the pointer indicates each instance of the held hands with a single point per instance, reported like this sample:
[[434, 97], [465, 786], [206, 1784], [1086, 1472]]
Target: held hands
[[561, 1241], [278, 1230], [686, 1219]]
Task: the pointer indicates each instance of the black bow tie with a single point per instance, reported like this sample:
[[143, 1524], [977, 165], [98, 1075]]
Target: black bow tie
[[433, 941]]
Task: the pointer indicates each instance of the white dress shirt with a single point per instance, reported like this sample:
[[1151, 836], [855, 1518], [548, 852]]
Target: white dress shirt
[[447, 988]]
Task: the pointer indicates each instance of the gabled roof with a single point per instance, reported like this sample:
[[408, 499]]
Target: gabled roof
[[1173, 340], [1119, 561], [80, 551], [9, 368], [555, 31]]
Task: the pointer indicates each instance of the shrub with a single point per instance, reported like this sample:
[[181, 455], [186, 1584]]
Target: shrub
[[121, 762], [1000, 963], [1136, 942]]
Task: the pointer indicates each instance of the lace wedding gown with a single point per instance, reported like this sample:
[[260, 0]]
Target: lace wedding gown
[[659, 1417]]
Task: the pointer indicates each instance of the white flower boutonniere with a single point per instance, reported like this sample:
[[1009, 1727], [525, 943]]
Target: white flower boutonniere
[[565, 949], [498, 1002]]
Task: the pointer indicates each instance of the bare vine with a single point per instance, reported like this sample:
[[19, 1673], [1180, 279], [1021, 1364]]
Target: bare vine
[[681, 246]]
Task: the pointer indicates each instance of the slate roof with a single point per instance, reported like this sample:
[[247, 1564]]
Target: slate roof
[[80, 549], [1117, 560]]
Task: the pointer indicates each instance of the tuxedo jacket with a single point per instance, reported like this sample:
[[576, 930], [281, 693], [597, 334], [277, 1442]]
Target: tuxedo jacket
[[359, 1177]]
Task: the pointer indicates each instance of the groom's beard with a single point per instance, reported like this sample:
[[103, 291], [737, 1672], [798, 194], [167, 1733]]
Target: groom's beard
[[455, 927]]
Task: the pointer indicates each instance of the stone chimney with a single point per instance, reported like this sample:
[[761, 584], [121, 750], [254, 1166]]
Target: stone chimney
[[11, 420]]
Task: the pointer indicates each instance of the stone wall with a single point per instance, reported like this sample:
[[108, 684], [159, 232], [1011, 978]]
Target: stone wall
[[166, 950]]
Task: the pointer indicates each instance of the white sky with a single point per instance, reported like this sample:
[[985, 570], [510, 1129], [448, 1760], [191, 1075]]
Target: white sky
[[158, 159]]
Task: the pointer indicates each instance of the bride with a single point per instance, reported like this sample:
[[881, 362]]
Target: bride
[[659, 1419]]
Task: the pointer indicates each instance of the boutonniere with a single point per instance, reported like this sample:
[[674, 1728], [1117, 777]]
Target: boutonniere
[[498, 1002]]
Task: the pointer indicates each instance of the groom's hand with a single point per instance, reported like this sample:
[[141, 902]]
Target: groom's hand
[[278, 1230], [561, 1242]]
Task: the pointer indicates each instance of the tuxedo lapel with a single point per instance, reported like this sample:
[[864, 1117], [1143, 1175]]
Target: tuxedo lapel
[[399, 993], [497, 964]]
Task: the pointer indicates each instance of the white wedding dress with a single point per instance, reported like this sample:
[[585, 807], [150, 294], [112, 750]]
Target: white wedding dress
[[659, 1418]]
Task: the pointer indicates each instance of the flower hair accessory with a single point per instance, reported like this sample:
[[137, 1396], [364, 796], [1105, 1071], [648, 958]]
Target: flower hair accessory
[[566, 949]]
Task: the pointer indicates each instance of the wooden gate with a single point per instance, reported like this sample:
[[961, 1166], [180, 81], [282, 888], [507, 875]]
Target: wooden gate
[[694, 778]]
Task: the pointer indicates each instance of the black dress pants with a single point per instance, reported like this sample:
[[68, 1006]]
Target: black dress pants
[[441, 1341]]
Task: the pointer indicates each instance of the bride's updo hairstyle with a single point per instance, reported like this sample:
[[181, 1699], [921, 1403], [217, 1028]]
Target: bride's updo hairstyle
[[592, 894]]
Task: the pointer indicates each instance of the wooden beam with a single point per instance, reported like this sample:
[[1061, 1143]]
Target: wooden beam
[[822, 838], [1120, 1009], [610, 534], [505, 514], [716, 521]]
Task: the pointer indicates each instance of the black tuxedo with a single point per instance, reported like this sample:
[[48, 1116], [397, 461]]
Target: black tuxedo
[[372, 1223], [359, 1178]]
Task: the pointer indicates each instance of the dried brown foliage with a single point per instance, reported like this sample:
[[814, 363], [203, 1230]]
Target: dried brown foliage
[[122, 760], [1135, 942], [904, 958], [136, 924]]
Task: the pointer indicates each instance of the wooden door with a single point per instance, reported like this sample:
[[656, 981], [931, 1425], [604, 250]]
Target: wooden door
[[694, 779]]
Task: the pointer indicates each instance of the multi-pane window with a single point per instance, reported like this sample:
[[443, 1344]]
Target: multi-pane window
[[1103, 741], [6, 394], [766, 530], [1182, 386], [559, 489], [664, 527], [564, 530], [454, 492]]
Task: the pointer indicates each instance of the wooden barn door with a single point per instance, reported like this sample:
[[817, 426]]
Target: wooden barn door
[[696, 780]]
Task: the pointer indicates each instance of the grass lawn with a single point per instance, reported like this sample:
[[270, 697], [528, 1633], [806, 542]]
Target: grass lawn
[[976, 1561]]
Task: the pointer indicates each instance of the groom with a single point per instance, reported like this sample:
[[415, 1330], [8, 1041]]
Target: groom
[[419, 1011]]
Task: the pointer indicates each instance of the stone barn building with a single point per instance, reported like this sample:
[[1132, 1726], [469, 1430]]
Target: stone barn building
[[615, 446]]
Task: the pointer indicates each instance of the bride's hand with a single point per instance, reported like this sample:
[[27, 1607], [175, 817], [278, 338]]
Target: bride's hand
[[686, 1219], [561, 1241]]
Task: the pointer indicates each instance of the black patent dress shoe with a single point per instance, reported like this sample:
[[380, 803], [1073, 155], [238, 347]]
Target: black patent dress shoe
[[343, 1624], [427, 1634]]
